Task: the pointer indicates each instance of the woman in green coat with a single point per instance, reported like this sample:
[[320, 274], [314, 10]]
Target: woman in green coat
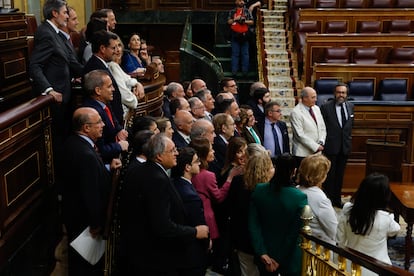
[[274, 221]]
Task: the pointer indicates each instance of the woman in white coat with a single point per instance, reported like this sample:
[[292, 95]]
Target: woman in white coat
[[312, 173], [131, 90], [364, 224]]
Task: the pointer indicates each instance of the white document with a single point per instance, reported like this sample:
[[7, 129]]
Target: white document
[[89, 248]]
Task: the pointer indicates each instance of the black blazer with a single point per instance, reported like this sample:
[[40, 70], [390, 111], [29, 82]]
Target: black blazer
[[107, 145], [51, 64], [247, 135], [153, 221], [86, 187], [258, 114], [95, 63], [337, 139], [196, 253], [220, 148], [178, 140]]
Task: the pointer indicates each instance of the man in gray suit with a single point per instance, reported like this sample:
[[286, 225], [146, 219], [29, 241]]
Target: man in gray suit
[[339, 116], [51, 68], [308, 126]]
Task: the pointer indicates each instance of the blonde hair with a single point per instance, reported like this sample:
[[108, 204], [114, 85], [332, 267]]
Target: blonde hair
[[313, 170], [258, 166]]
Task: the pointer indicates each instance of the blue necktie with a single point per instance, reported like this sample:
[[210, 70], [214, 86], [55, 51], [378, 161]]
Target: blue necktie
[[277, 147]]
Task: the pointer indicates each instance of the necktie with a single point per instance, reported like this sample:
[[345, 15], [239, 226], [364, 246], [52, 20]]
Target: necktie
[[255, 137], [277, 147], [312, 114], [108, 112], [343, 116]]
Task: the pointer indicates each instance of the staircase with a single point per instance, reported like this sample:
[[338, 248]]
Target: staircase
[[279, 57]]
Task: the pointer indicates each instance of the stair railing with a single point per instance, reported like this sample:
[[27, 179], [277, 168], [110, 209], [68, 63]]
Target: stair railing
[[202, 56], [261, 54]]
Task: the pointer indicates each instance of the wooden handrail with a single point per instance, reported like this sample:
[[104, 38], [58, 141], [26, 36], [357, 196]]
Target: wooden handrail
[[261, 54]]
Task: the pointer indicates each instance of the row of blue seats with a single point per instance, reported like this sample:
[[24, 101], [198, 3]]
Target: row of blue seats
[[364, 90]]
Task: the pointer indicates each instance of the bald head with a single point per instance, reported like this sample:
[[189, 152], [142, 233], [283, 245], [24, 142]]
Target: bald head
[[203, 128], [308, 95], [183, 121], [197, 85], [88, 122]]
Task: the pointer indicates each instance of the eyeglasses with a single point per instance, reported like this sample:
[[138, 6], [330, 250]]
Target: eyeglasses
[[98, 122], [173, 150], [234, 85], [278, 110]]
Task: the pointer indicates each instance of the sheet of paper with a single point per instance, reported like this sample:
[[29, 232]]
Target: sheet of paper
[[89, 248]]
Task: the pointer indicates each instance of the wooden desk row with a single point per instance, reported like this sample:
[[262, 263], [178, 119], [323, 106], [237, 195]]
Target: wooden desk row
[[354, 16], [317, 43]]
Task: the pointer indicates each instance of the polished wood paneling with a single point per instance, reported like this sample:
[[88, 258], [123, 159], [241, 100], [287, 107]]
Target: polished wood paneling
[[317, 43], [26, 167], [14, 82], [353, 16], [380, 121]]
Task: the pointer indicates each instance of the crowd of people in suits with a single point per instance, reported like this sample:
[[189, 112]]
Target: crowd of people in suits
[[209, 182]]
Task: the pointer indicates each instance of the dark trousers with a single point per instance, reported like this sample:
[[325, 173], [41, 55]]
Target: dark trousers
[[334, 181]]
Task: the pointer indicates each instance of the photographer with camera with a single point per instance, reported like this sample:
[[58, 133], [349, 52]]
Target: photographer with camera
[[239, 20]]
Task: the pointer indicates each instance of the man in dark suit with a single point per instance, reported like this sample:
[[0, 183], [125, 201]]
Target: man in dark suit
[[224, 128], [99, 89], [103, 49], [274, 131], [154, 223], [51, 69], [338, 115], [86, 186], [183, 121], [261, 96], [188, 165]]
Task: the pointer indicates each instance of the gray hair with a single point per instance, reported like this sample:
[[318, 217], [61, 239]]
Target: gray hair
[[193, 101], [199, 128], [92, 80], [52, 5], [171, 87], [202, 94], [156, 145]]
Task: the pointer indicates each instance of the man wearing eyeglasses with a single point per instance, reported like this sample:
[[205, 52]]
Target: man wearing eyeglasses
[[86, 187], [274, 131], [156, 233]]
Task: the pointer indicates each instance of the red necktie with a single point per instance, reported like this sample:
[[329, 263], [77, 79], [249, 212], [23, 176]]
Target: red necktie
[[312, 114], [108, 112]]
